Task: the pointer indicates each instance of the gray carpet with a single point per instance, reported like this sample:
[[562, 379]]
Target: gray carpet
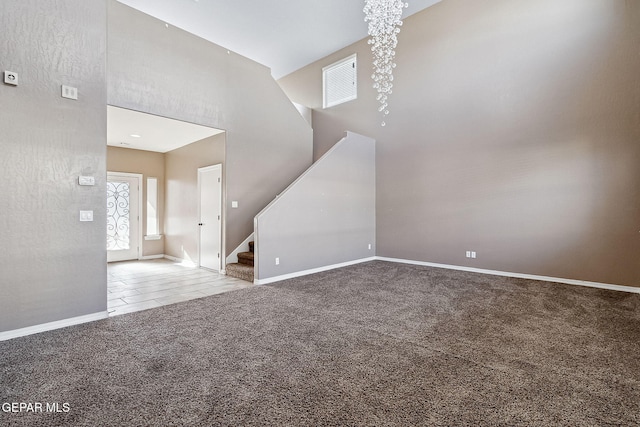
[[372, 344]]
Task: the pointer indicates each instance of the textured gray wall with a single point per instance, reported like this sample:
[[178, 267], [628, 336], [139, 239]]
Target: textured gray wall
[[514, 132], [168, 72], [53, 266], [327, 217]]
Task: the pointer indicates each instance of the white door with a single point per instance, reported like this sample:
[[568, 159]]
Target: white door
[[123, 216], [210, 216]]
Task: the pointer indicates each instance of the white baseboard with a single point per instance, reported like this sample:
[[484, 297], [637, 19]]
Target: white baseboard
[[52, 325], [181, 261], [147, 257], [311, 271], [517, 275]]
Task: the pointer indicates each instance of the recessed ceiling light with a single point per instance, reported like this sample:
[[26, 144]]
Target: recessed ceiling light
[[135, 135]]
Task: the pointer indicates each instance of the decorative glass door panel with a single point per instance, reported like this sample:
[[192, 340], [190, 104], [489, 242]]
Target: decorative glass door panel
[[117, 216], [122, 216]]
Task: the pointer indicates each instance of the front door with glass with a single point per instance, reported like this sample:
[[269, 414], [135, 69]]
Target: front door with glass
[[123, 217]]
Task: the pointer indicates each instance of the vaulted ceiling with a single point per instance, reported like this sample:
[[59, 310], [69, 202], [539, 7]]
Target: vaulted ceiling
[[284, 35]]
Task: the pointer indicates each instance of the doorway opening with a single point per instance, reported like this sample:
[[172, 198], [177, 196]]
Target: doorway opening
[[167, 155]]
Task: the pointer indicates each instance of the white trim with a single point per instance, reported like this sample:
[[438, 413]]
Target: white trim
[[351, 60], [44, 327], [181, 261], [311, 271], [242, 247], [607, 286], [153, 237], [147, 257], [216, 167]]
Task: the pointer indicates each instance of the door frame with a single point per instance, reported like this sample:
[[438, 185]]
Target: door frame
[[139, 177], [200, 171]]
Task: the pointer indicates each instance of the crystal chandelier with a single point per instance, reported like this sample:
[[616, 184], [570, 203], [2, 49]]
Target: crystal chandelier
[[384, 18]]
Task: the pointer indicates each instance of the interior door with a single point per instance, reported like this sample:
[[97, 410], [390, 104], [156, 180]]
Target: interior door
[[210, 216], [123, 216]]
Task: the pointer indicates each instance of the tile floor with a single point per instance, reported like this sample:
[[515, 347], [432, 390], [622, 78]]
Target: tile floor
[[139, 285]]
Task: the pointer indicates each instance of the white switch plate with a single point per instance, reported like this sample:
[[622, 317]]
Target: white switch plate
[[11, 78], [86, 216], [86, 180], [69, 92], [234, 203]]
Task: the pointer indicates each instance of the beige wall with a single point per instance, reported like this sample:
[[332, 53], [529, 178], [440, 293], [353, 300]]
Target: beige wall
[[181, 205], [151, 165], [514, 132]]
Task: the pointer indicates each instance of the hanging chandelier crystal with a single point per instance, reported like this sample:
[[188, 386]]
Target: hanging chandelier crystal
[[385, 19]]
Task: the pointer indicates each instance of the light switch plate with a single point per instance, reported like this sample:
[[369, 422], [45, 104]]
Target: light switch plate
[[11, 78], [86, 216]]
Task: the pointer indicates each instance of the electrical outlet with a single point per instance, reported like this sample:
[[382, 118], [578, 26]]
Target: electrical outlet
[[69, 92], [11, 78], [473, 254], [369, 246], [468, 254], [86, 216], [277, 261]]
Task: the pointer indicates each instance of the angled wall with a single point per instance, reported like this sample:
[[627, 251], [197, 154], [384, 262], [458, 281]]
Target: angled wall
[[325, 218], [53, 266], [162, 70], [514, 132]]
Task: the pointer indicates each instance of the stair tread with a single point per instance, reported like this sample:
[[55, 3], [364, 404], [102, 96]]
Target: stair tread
[[240, 271], [248, 255], [238, 266]]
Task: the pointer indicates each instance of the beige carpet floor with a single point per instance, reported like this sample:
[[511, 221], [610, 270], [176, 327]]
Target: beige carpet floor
[[374, 344]]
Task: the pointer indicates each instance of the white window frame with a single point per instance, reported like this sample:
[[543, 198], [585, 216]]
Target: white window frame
[[153, 225], [352, 59]]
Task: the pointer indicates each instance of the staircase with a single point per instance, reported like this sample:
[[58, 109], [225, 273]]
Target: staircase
[[243, 269]]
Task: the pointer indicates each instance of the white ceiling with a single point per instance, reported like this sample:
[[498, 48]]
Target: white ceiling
[[284, 35], [154, 133]]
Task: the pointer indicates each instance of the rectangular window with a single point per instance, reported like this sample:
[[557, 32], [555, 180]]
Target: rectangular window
[[340, 82], [152, 207]]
